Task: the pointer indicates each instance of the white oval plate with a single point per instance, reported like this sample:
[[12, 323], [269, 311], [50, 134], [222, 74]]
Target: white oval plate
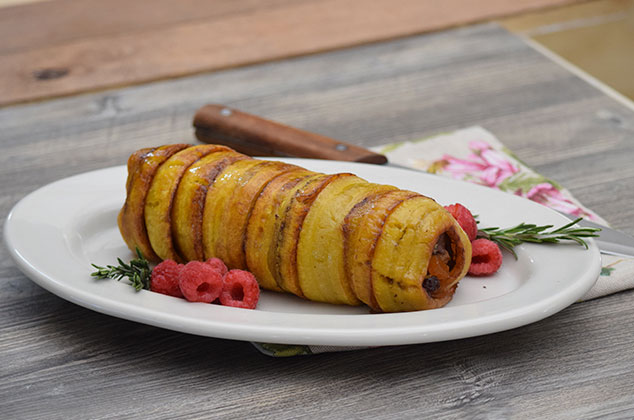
[[56, 232]]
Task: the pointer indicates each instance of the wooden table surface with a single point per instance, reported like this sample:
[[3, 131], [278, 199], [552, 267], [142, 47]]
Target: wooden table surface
[[65, 47], [59, 360]]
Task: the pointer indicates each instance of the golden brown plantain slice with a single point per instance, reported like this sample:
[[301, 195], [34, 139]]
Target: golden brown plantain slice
[[160, 197], [362, 227], [134, 163], [295, 207], [189, 202], [261, 235], [215, 203], [142, 166], [320, 251], [403, 253], [231, 232]]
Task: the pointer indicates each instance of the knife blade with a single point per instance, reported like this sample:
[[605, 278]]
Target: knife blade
[[256, 136], [610, 241]]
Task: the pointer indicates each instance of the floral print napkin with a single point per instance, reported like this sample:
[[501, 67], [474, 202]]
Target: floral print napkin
[[475, 155]]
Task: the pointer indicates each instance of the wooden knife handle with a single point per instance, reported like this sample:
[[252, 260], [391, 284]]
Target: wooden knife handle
[[256, 136]]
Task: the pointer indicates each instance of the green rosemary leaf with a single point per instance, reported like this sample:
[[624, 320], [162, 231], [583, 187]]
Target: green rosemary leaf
[[137, 271], [508, 238]]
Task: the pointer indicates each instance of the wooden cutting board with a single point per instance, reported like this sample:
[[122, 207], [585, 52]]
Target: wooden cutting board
[[64, 47]]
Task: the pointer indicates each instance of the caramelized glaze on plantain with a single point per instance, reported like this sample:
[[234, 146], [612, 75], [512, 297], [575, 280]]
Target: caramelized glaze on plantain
[[329, 238]]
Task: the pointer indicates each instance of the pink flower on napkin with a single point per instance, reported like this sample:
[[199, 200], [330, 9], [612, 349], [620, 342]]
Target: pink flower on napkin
[[547, 194], [487, 165]]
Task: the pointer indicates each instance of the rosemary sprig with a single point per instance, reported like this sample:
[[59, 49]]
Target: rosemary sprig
[[525, 232], [137, 271]]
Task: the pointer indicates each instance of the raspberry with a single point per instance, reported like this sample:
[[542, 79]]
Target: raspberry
[[240, 289], [164, 278], [217, 264], [464, 218], [486, 257], [200, 282]]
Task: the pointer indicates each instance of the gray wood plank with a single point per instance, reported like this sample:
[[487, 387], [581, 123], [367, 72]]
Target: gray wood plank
[[58, 360]]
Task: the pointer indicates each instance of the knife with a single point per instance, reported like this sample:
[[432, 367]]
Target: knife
[[610, 241], [256, 136]]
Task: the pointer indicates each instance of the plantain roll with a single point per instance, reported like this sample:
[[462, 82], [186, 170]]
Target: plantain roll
[[332, 238]]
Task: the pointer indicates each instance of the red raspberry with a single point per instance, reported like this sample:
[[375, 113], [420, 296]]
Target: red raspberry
[[240, 289], [217, 264], [486, 257], [464, 218], [164, 278], [200, 282]]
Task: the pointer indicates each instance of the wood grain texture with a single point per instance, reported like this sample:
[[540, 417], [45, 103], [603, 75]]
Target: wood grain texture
[[69, 46], [62, 361], [256, 136]]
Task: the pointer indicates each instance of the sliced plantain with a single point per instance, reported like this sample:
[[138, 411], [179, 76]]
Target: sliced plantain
[[403, 253], [362, 228], [261, 235], [293, 209], [237, 208], [160, 197], [320, 249], [189, 202], [142, 166]]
